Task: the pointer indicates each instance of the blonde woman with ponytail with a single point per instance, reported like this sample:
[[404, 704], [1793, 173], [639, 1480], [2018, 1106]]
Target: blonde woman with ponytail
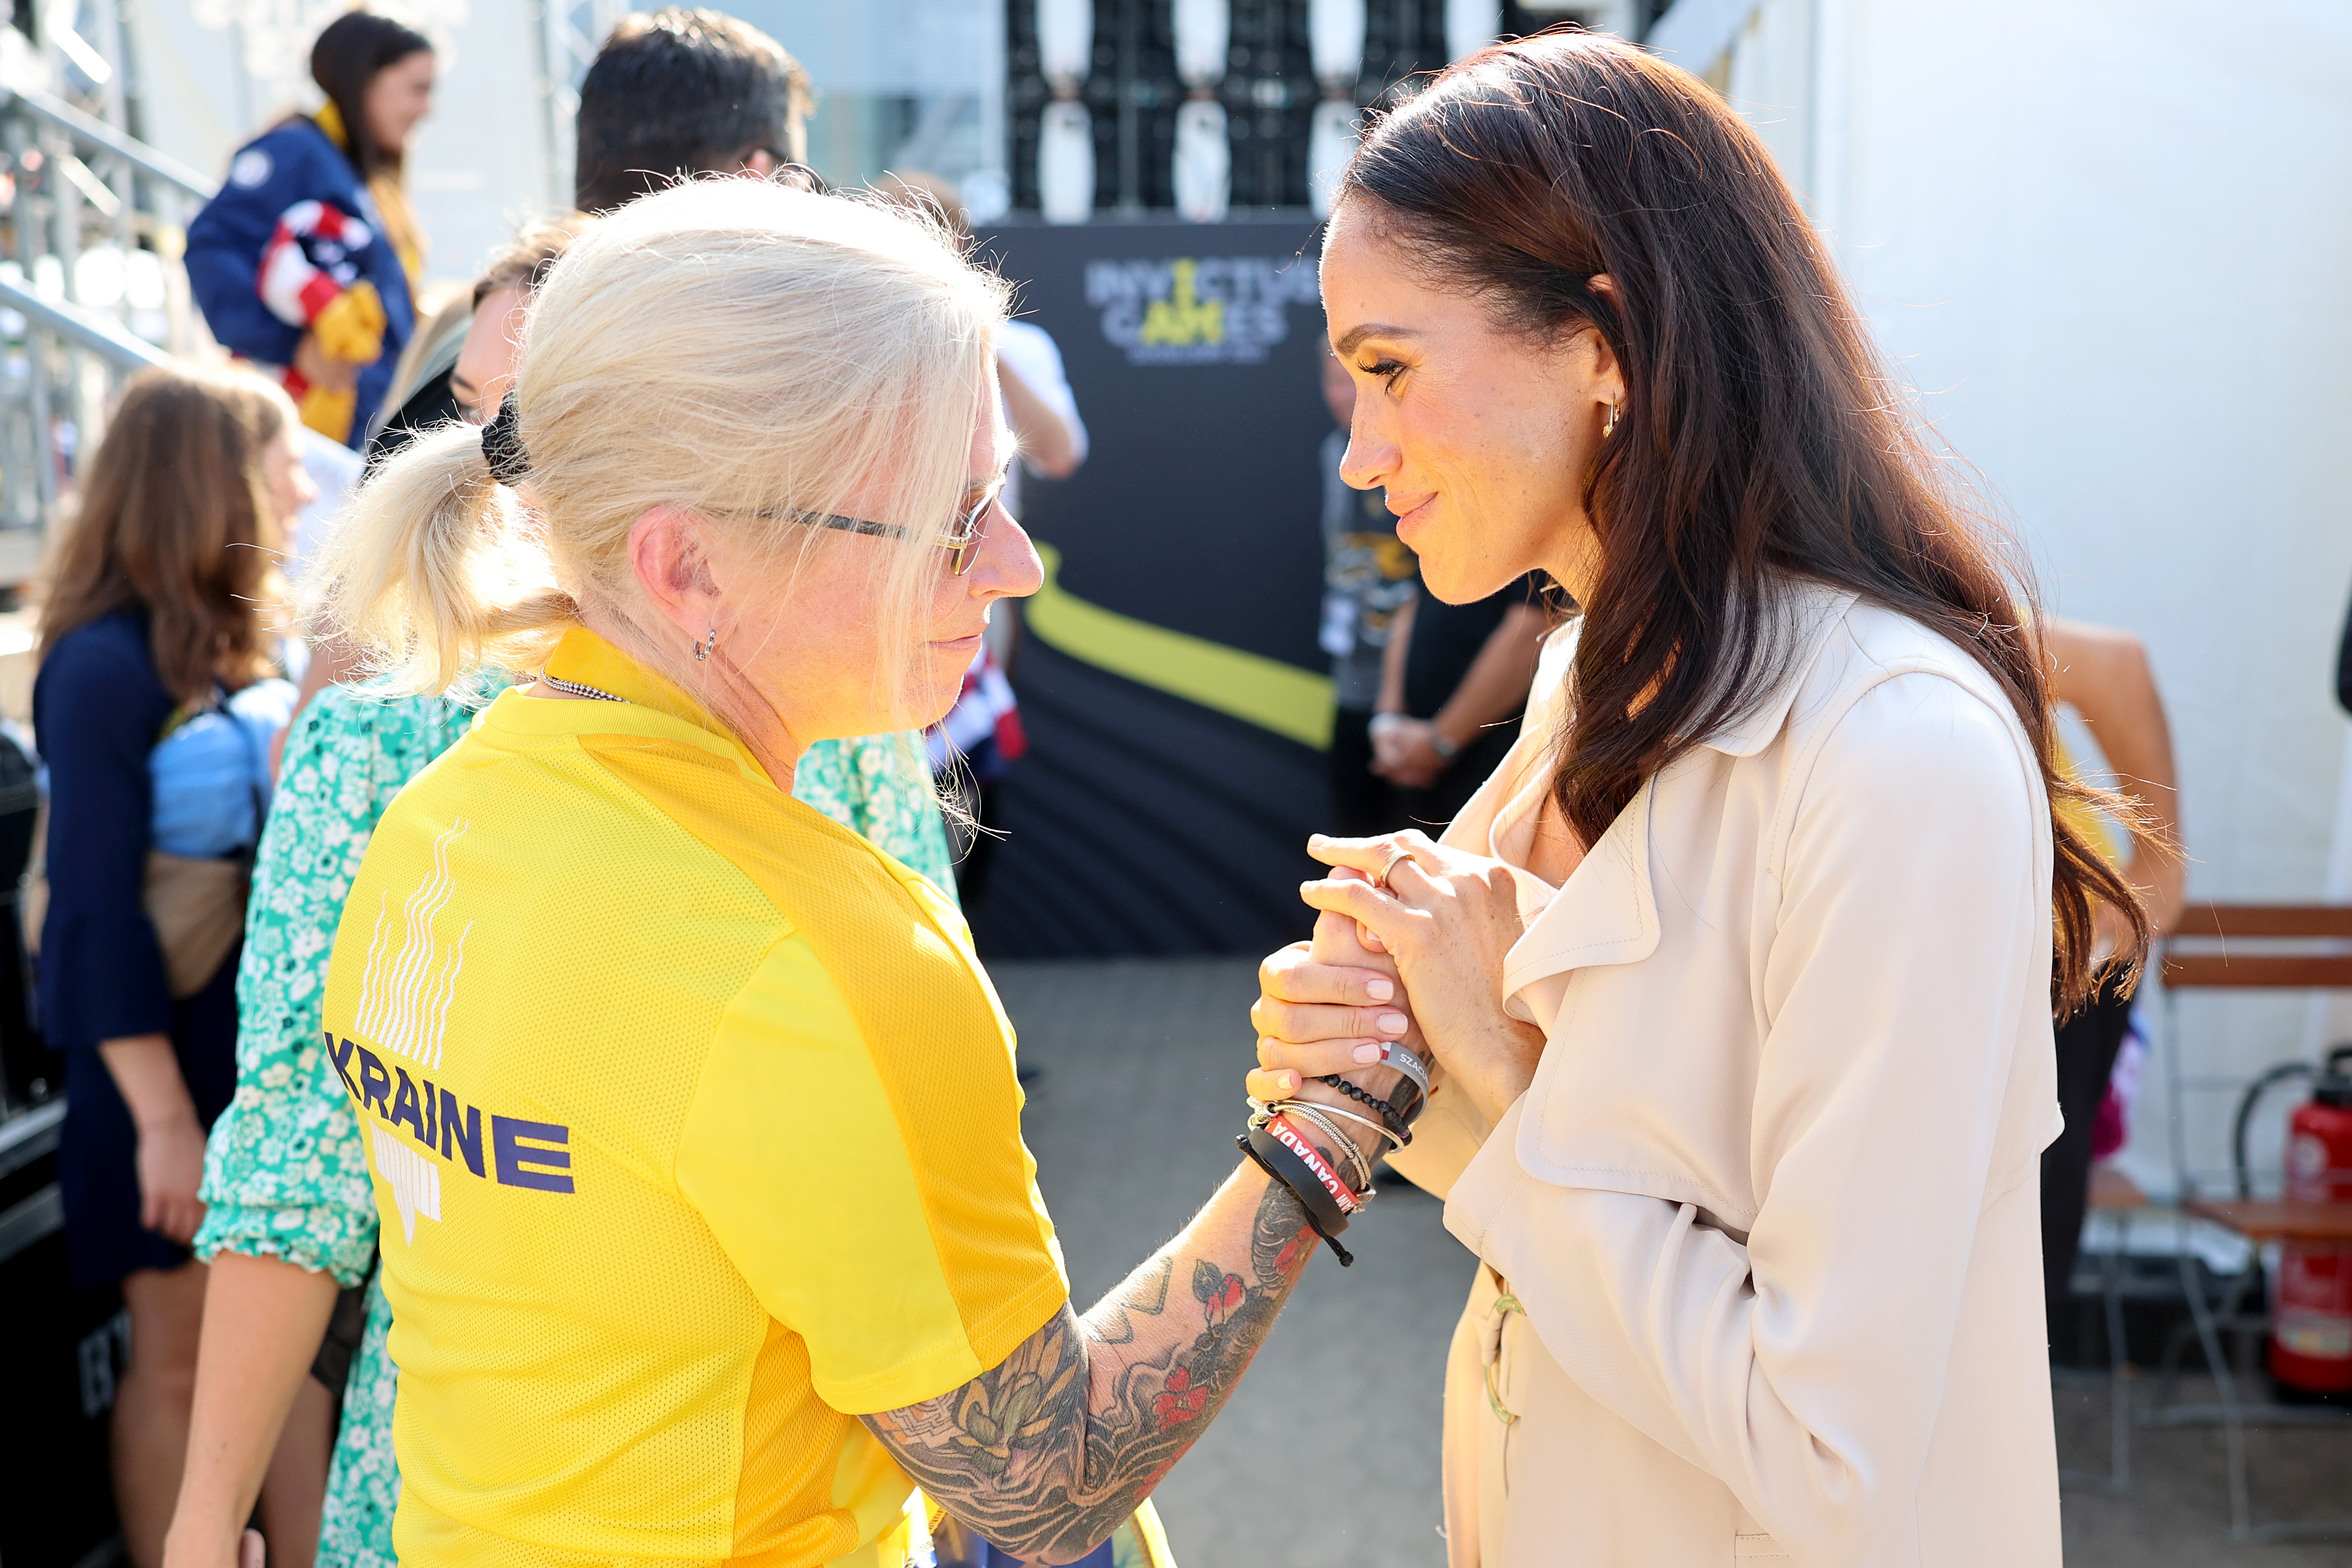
[[290, 1219], [705, 1222]]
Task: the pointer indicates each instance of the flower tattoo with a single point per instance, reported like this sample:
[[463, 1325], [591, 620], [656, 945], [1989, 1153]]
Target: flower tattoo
[[1182, 1402], [1221, 1294]]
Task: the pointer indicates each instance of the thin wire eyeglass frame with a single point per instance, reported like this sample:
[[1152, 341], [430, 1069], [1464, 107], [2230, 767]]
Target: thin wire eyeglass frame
[[964, 541]]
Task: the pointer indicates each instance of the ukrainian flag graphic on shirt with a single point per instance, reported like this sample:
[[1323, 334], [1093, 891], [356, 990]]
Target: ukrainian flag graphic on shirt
[[405, 994], [414, 956]]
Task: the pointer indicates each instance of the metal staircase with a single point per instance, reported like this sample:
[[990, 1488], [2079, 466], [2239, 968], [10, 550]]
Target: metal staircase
[[92, 228]]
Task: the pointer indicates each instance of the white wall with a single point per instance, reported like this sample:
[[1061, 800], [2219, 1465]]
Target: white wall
[[947, 55], [481, 166], [213, 75], [216, 71], [2108, 241], [194, 99], [885, 46]]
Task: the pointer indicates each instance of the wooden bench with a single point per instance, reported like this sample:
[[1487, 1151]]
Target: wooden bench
[[2256, 946]]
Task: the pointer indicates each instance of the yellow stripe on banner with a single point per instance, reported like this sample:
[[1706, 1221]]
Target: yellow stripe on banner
[[1252, 688]]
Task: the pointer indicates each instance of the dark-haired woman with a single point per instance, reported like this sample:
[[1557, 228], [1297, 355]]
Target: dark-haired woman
[[1739, 970], [153, 626], [306, 259]]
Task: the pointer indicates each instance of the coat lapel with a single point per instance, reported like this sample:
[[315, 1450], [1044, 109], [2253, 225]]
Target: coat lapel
[[1605, 913]]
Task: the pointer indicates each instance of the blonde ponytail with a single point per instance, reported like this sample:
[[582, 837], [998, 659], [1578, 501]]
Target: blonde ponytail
[[742, 350], [431, 571]]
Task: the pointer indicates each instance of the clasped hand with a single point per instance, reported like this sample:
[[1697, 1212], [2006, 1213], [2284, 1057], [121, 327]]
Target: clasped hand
[[1405, 751], [1438, 922]]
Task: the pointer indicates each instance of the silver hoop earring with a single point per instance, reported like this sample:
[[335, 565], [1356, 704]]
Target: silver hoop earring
[[702, 647], [1609, 422]]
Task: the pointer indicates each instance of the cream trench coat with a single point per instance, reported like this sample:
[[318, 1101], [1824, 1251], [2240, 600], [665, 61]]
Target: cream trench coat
[[1760, 1246]]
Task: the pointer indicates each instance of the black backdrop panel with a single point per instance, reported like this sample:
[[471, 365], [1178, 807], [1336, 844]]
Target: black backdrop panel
[[1141, 822], [62, 1352], [1198, 507]]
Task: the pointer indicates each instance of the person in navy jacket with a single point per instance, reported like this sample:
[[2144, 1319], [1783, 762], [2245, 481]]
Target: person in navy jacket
[[305, 260], [160, 601]]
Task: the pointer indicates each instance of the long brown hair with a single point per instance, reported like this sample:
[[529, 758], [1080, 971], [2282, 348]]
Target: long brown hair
[[175, 516], [1761, 435], [347, 58]]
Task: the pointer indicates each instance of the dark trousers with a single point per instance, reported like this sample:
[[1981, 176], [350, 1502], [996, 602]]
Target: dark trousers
[[979, 847], [1364, 804], [2087, 1044], [1432, 808]]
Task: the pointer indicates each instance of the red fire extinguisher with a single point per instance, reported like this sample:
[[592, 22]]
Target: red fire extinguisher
[[2311, 1332]]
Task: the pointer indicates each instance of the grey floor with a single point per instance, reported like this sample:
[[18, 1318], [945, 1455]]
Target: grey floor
[[1328, 1454], [2180, 1500]]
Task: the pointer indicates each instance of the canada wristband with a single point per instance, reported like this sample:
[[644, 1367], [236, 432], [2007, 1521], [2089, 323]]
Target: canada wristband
[[1298, 1112], [1347, 1258], [1291, 1136], [1324, 1215], [1272, 1121], [1302, 1163]]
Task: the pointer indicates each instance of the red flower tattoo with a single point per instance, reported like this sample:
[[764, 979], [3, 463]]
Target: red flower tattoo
[[1182, 1402], [1222, 1302]]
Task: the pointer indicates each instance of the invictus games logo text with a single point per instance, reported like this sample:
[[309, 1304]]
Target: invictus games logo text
[[1213, 311]]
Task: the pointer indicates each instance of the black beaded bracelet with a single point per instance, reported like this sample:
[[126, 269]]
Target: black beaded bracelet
[[1396, 1120], [1360, 1097]]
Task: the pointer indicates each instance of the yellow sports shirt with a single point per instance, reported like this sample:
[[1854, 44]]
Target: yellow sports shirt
[[694, 1134]]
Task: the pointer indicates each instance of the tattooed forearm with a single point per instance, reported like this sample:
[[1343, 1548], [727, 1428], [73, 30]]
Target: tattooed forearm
[[1279, 1234], [1047, 1454], [1145, 1293]]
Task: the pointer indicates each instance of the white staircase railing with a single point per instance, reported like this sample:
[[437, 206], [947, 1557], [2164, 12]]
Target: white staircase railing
[[91, 289]]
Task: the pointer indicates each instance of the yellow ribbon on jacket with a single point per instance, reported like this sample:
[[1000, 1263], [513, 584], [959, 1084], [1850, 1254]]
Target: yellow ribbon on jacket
[[350, 328]]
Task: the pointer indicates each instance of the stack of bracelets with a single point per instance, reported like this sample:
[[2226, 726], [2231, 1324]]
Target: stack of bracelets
[[1279, 1140]]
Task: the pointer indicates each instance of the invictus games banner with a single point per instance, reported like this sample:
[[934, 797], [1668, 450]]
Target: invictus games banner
[[1176, 704]]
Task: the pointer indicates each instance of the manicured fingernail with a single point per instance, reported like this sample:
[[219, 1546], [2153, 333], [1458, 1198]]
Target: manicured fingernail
[[1390, 1023], [1379, 990], [1367, 1053]]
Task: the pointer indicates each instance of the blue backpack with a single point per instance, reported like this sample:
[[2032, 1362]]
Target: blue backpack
[[210, 774]]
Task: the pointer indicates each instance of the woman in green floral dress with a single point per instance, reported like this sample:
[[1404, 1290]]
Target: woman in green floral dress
[[286, 1176]]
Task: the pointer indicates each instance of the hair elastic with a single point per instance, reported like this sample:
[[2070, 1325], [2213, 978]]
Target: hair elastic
[[503, 446]]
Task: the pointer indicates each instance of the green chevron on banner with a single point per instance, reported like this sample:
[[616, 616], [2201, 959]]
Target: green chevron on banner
[[1283, 698]]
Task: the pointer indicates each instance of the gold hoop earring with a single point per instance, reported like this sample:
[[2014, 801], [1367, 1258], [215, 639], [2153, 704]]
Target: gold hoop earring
[[702, 647], [1609, 422]]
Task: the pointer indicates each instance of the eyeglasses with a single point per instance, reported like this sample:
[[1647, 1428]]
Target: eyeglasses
[[800, 176], [964, 540]]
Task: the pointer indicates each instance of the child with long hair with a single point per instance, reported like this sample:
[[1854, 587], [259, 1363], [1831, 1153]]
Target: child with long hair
[[308, 258]]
